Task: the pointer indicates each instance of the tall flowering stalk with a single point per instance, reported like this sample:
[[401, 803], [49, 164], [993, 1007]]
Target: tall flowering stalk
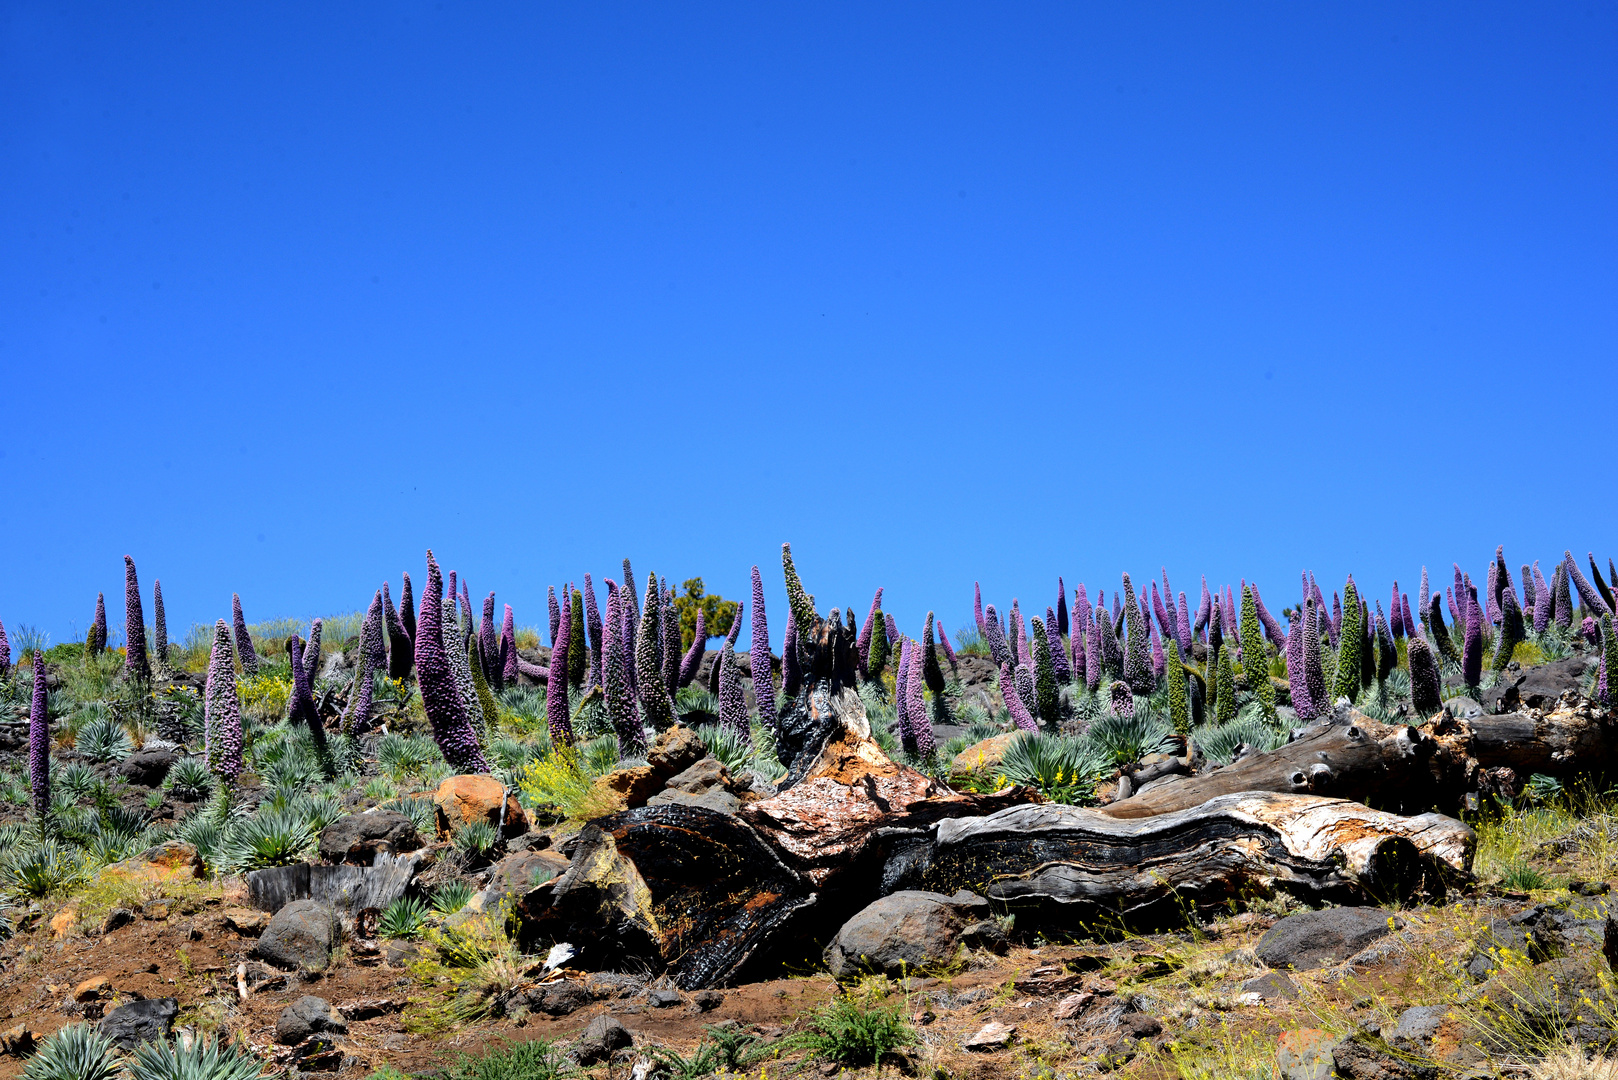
[[39, 743], [877, 658], [1023, 680], [1204, 608], [901, 698], [791, 665], [407, 611], [1272, 626], [1425, 687], [1165, 621], [246, 656], [1491, 599], [222, 710], [763, 683], [1512, 630], [1601, 586], [1296, 681], [1314, 671], [670, 626], [995, 638], [1225, 674], [1335, 627], [1159, 662], [931, 671], [921, 725], [1349, 651], [1440, 633], [1527, 590], [1587, 593], [455, 650], [1561, 601], [1183, 625], [1472, 650], [692, 660], [1045, 691], [632, 598], [1018, 635], [160, 639], [1424, 596], [1137, 663], [1255, 662], [1123, 702], [440, 697], [1112, 655], [656, 704], [1397, 626], [1367, 646], [1179, 699], [1607, 691], [96, 642], [732, 697], [1061, 608], [557, 709], [592, 624], [943, 643], [977, 605], [1081, 608], [615, 684], [862, 644], [508, 648], [357, 717], [578, 650], [489, 646], [798, 601], [5, 653], [311, 652], [1053, 645], [1093, 663], [1020, 716], [401, 651], [555, 611]]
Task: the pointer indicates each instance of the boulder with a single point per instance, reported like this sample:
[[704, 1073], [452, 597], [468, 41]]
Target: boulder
[[462, 800], [1306, 1054], [904, 932], [1274, 986], [982, 758], [1413, 1032], [147, 767], [559, 998], [168, 861], [1363, 1058], [140, 1021], [1553, 999], [675, 751], [1538, 687], [514, 875], [1311, 939], [600, 1040], [300, 935], [307, 1016], [358, 837], [92, 989], [629, 788]]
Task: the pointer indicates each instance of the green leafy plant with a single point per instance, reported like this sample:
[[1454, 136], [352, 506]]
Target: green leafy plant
[[857, 1027], [476, 838], [451, 897], [269, 838], [74, 1052], [1127, 739], [189, 779], [46, 869], [402, 756], [539, 1059], [730, 748], [206, 1058], [421, 812], [1062, 769], [1220, 743], [103, 740], [78, 781], [725, 1048], [1521, 877], [404, 918]]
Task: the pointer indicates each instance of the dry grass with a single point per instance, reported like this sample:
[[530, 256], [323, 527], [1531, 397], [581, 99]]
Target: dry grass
[[1571, 1064]]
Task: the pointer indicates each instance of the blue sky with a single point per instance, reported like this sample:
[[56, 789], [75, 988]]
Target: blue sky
[[940, 293]]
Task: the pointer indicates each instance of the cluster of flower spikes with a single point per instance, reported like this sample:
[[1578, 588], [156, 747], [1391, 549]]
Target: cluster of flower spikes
[[440, 697], [401, 650]]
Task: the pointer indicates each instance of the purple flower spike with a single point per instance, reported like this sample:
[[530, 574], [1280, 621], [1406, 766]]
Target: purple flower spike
[[1204, 608], [1295, 673], [1183, 625], [763, 682], [557, 710], [592, 626], [407, 611], [901, 697], [508, 648], [1460, 593], [1334, 629], [943, 643], [995, 639], [732, 697], [1425, 686], [1014, 704], [1472, 650], [1561, 602], [1543, 601], [1424, 595], [791, 668], [928, 665], [98, 627], [1232, 631], [555, 611], [1165, 622], [921, 725], [1061, 608], [671, 640], [160, 643], [1053, 641], [468, 620], [620, 696], [1076, 642], [863, 644], [136, 666], [440, 697], [401, 651], [1527, 589], [1587, 631], [1123, 702], [1314, 671], [222, 710], [1092, 657], [977, 604], [693, 656], [892, 628], [1272, 627], [1137, 661], [656, 704], [39, 743], [5, 652], [1587, 592], [1455, 616], [1396, 624], [489, 646], [245, 653], [1159, 662], [1491, 603], [1081, 608]]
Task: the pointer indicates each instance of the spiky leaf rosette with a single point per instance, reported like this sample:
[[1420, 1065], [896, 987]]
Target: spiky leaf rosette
[[508, 648], [1053, 645], [578, 649], [995, 639], [1296, 682], [1314, 671], [877, 659], [1609, 664], [1179, 700], [558, 716], [160, 638], [5, 653], [797, 599], [246, 656], [930, 669], [1045, 690], [1020, 715], [440, 698], [615, 684], [1587, 592], [1255, 661], [1425, 688], [400, 650], [901, 698], [39, 743], [1472, 649], [1225, 675], [732, 697], [1122, 702], [656, 704], [943, 643], [692, 660], [1349, 637], [921, 725], [222, 710], [862, 644], [1512, 630], [488, 657], [763, 683], [1093, 663]]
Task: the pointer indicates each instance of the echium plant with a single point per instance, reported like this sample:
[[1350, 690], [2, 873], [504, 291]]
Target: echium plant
[[508, 648], [1425, 688], [407, 611], [1255, 663], [578, 650], [311, 652], [943, 643], [1014, 705], [670, 625], [1592, 599], [222, 710], [1561, 603], [732, 697], [1093, 663], [1512, 630], [1165, 621], [96, 642], [1608, 690], [1053, 646], [1472, 648], [1314, 672], [921, 725], [557, 711], [489, 712], [1440, 632], [797, 599], [620, 695], [1272, 627], [862, 644], [877, 658], [245, 653], [1225, 675], [1387, 655], [1122, 701], [901, 698], [692, 660], [5, 653], [592, 623], [454, 637], [357, 717], [791, 664], [160, 637], [1179, 701], [1349, 637], [400, 649], [1045, 691], [763, 683], [930, 669], [489, 647], [1367, 646], [440, 698], [995, 638], [39, 744], [1297, 683], [555, 614], [656, 704]]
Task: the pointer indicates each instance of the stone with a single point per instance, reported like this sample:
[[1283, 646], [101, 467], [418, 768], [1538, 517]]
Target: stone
[[675, 751], [64, 922], [117, 917], [560, 998], [17, 1041], [1310, 939], [1413, 1032], [147, 767], [245, 922], [991, 1036], [140, 1021], [93, 989], [707, 1000], [300, 935], [1538, 687], [1274, 986], [357, 838], [1072, 1005], [986, 934], [1360, 1058], [716, 799], [664, 999], [904, 932], [1140, 1025], [600, 1040], [307, 1016], [514, 876], [629, 788], [462, 800], [982, 759], [167, 862], [1305, 1054], [1545, 996]]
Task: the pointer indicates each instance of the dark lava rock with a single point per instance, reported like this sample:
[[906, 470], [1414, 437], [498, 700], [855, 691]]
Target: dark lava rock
[[140, 1021], [1360, 1058], [560, 998], [1140, 1025], [358, 838], [148, 768], [664, 999], [1312, 938], [1274, 986], [301, 935], [307, 1016], [1538, 687], [707, 1000], [1413, 1032], [598, 1042], [904, 932]]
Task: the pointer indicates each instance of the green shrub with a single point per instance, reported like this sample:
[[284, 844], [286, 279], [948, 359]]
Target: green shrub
[[1220, 743], [402, 756], [421, 812], [205, 1059], [1062, 769], [78, 780], [1521, 877], [189, 779], [269, 838], [46, 869], [1127, 739], [451, 897], [103, 740], [476, 838], [539, 1059], [404, 918], [75, 1052], [856, 1028]]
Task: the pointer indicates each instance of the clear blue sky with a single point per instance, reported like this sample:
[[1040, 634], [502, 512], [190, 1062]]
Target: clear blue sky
[[940, 293]]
